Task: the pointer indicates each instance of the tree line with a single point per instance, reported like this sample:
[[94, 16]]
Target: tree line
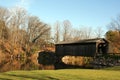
[[113, 33], [19, 29], [64, 31]]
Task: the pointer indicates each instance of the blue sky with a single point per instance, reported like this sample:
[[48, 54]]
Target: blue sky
[[92, 13]]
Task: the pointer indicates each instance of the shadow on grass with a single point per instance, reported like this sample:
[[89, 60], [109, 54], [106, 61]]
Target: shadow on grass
[[115, 68], [4, 79], [31, 77], [24, 76], [52, 78]]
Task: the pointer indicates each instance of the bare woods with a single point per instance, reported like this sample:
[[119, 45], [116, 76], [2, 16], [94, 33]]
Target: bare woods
[[21, 33]]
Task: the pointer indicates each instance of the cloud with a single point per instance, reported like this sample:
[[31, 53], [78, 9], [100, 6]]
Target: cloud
[[24, 3]]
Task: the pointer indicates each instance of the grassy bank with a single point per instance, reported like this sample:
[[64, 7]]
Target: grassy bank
[[63, 74]]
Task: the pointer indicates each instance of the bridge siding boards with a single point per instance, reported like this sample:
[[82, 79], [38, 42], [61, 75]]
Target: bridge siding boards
[[88, 47], [76, 50]]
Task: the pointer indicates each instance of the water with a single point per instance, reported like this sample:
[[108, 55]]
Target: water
[[12, 64]]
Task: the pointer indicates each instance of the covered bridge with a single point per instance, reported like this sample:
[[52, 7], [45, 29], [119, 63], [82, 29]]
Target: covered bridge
[[87, 47]]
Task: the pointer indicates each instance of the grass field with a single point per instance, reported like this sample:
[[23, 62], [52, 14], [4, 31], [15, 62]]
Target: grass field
[[63, 74]]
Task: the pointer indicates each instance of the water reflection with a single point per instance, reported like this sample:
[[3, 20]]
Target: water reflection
[[11, 64], [77, 60]]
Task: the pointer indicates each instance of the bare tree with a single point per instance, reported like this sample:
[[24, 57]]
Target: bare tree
[[22, 31], [76, 34], [4, 34], [17, 23], [99, 32], [86, 32], [36, 29], [57, 32], [4, 13], [68, 33], [67, 30], [114, 24]]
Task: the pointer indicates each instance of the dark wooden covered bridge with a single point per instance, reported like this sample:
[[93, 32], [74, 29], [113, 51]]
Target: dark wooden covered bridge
[[83, 48], [87, 47], [97, 49]]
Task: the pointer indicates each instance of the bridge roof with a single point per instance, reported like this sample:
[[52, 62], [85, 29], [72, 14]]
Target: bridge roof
[[95, 40]]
